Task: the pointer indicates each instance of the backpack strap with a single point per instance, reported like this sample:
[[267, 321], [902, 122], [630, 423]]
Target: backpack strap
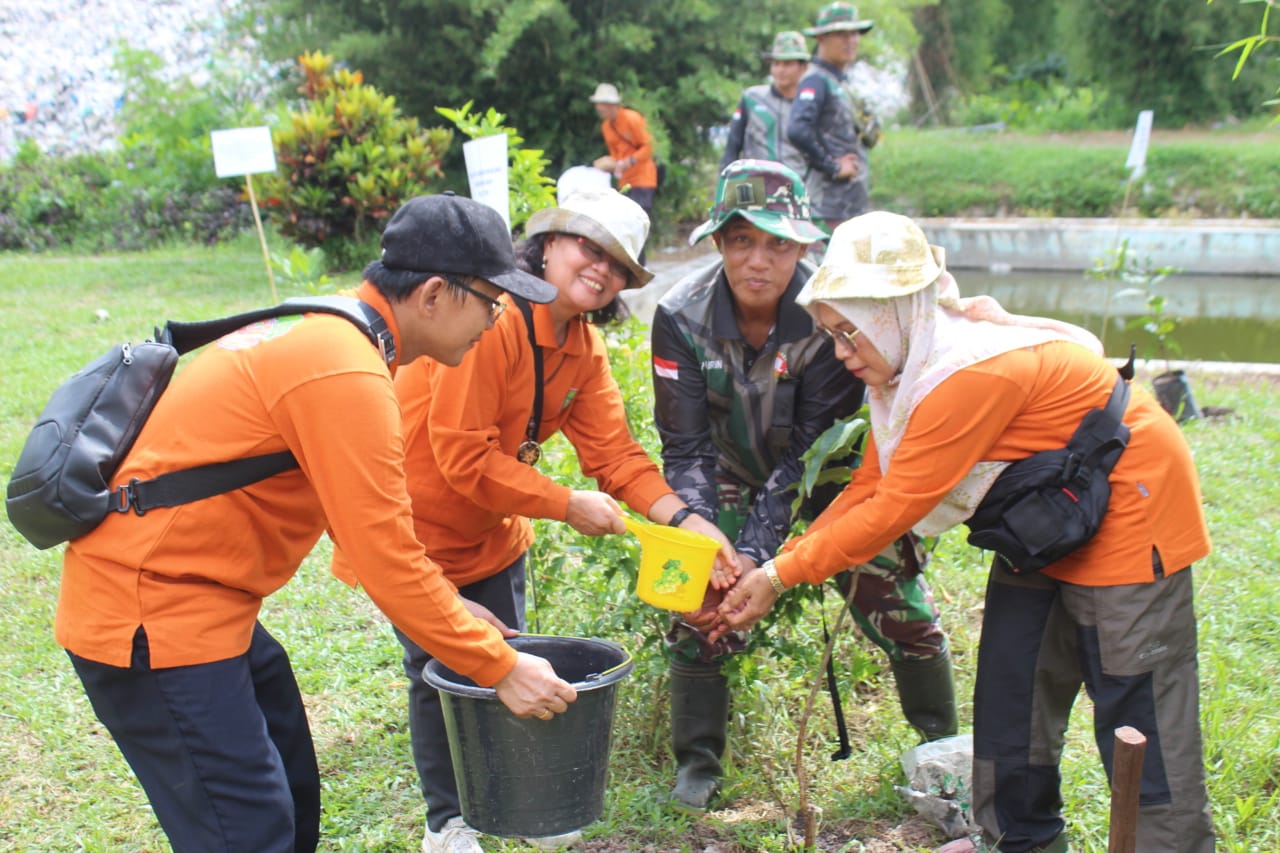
[[195, 484], [185, 337], [204, 481]]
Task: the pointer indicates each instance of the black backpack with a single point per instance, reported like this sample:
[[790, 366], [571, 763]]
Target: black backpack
[[60, 487]]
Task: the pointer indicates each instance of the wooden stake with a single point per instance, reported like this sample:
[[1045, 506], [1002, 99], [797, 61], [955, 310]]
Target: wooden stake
[[262, 237], [1126, 782]]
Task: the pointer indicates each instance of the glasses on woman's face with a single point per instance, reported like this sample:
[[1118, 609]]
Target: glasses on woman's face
[[595, 255], [495, 307], [840, 336]]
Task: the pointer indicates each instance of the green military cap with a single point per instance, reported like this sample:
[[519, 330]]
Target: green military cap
[[838, 17], [769, 195], [789, 45]]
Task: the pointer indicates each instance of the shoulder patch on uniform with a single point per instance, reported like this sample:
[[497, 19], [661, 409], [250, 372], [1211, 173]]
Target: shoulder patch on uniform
[[665, 368], [808, 93]]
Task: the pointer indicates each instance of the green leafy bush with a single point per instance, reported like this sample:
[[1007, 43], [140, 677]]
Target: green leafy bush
[[529, 188], [347, 159]]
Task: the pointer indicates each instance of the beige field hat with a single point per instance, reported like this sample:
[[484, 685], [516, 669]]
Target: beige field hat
[[606, 93], [878, 255], [604, 216]]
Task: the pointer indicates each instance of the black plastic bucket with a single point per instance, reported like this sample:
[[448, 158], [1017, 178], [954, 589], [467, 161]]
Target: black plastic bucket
[[531, 778], [1173, 390]]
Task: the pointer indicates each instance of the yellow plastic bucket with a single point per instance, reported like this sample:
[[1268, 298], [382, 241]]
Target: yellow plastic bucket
[[675, 565]]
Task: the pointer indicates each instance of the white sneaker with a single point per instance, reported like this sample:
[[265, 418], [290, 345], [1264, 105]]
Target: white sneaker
[[554, 842], [454, 837]]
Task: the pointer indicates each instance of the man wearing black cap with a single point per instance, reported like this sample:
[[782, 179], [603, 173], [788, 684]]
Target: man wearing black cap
[[159, 612]]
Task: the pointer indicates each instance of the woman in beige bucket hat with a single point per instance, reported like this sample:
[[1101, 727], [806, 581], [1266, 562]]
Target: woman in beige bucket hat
[[958, 389], [471, 458]]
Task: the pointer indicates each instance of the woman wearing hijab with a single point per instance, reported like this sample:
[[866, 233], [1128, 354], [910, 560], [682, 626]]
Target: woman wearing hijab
[[959, 389], [471, 458]]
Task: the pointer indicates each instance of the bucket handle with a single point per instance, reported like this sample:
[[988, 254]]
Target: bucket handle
[[595, 676]]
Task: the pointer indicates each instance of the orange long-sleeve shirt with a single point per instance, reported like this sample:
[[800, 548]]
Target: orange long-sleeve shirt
[[471, 497], [194, 576], [628, 136], [1004, 409]]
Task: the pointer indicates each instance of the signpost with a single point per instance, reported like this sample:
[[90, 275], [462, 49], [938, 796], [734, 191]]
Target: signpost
[[247, 151], [487, 169]]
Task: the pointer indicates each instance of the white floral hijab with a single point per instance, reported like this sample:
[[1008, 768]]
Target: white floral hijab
[[926, 336]]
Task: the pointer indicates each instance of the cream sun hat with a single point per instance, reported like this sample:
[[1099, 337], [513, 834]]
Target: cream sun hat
[[604, 216], [878, 255]]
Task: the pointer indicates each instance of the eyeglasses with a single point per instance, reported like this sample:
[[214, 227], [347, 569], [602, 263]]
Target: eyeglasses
[[595, 255], [495, 307], [849, 339]]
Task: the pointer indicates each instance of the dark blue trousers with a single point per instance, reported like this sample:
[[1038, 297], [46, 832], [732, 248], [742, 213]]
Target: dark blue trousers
[[223, 749], [504, 595]]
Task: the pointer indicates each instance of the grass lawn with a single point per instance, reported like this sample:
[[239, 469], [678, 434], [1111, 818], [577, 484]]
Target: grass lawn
[[64, 786]]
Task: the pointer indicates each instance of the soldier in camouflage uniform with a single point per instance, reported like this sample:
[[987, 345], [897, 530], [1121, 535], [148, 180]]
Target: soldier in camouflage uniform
[[743, 384], [758, 130], [830, 124]]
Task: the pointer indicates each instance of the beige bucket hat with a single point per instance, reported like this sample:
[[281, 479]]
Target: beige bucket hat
[[606, 93], [878, 255], [604, 216]]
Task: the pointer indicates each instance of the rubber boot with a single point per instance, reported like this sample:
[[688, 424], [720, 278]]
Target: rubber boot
[[928, 695], [699, 720]]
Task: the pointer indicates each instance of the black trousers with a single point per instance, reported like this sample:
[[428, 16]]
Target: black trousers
[[504, 595], [223, 749]]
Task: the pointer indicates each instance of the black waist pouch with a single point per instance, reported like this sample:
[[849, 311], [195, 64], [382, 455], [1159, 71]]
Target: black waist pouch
[[1042, 508]]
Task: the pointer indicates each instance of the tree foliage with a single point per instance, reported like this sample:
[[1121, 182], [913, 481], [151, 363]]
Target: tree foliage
[[682, 64], [1132, 54], [346, 160]]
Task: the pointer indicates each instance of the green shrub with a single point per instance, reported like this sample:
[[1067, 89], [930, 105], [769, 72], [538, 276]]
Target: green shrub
[[347, 159], [529, 187]]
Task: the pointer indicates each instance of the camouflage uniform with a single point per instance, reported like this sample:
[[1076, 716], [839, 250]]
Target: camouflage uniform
[[759, 129], [732, 457], [828, 120], [734, 422]]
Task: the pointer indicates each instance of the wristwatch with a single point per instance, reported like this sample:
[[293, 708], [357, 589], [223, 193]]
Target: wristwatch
[[771, 572], [679, 517]]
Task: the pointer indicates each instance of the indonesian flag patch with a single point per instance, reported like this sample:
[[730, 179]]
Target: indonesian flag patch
[[666, 369], [808, 93], [780, 366]]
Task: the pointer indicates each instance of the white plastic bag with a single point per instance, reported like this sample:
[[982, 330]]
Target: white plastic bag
[[940, 783]]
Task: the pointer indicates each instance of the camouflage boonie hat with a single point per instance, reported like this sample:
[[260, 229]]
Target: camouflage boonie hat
[[838, 17], [789, 45], [769, 195]]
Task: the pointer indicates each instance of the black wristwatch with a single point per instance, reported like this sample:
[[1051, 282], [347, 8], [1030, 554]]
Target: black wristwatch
[[679, 517]]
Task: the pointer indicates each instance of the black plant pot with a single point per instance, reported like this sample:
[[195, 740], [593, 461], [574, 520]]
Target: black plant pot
[[1174, 393]]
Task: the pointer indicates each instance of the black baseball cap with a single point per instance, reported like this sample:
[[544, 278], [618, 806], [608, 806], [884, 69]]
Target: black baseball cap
[[447, 233]]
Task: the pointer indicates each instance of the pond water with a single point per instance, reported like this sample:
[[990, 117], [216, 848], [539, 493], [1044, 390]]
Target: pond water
[[1222, 318]]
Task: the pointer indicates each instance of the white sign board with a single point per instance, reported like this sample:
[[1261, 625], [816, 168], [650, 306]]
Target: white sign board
[[486, 160], [242, 151], [1141, 139], [581, 178]]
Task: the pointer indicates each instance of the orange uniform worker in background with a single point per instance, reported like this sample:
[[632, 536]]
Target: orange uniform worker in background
[[630, 158]]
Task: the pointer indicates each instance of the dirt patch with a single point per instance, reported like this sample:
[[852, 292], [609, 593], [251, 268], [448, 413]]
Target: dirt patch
[[714, 835]]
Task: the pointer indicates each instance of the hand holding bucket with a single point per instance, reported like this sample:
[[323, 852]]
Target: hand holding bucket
[[675, 565]]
